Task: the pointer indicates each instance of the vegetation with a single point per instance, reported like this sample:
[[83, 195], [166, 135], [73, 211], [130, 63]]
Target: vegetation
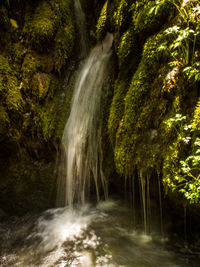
[[154, 112]]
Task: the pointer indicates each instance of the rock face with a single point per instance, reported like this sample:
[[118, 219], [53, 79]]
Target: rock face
[[36, 41], [153, 123]]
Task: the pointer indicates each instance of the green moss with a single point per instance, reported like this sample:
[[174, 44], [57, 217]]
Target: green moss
[[196, 118], [66, 10], [40, 27], [40, 85], [115, 16], [117, 108], [14, 99], [49, 22], [126, 46], [181, 159], [120, 15], [46, 113], [45, 119], [102, 22], [64, 43], [65, 36], [10, 86], [126, 138], [4, 65], [37, 40], [150, 16], [45, 62], [29, 67], [64, 109], [17, 54]]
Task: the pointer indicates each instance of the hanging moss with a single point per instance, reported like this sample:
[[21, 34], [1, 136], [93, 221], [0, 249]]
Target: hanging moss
[[102, 22], [138, 90], [127, 46], [117, 108], [121, 17]]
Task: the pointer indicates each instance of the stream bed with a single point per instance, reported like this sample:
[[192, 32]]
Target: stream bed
[[86, 236]]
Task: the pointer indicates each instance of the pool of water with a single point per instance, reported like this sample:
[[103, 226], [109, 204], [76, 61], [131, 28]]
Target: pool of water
[[86, 236]]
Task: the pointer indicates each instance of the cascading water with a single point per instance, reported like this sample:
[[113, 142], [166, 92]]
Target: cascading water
[[81, 141]]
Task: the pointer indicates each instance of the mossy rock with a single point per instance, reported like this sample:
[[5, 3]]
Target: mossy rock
[[64, 43], [45, 120], [138, 91], [115, 16], [30, 65], [127, 46], [39, 27], [40, 85], [17, 53], [117, 108], [151, 16], [122, 16], [102, 22], [64, 110], [10, 86]]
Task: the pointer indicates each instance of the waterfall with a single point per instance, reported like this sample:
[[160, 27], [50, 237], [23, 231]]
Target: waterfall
[[81, 141]]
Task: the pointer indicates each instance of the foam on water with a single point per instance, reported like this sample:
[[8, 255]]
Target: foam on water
[[93, 237]]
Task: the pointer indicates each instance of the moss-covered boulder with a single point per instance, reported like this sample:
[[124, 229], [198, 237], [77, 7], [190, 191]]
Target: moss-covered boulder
[[37, 42]]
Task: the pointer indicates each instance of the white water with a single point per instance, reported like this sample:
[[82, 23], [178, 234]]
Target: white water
[[88, 236], [81, 141]]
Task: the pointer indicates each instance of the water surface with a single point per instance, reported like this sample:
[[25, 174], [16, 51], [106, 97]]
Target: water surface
[[85, 236]]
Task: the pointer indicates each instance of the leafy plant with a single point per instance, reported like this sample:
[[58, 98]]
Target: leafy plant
[[182, 169], [180, 47], [193, 72]]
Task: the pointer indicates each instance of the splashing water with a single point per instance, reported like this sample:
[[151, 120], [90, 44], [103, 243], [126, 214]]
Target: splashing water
[[81, 141], [88, 236]]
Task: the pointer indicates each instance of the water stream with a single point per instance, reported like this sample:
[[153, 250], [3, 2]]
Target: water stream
[[86, 236], [81, 141]]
